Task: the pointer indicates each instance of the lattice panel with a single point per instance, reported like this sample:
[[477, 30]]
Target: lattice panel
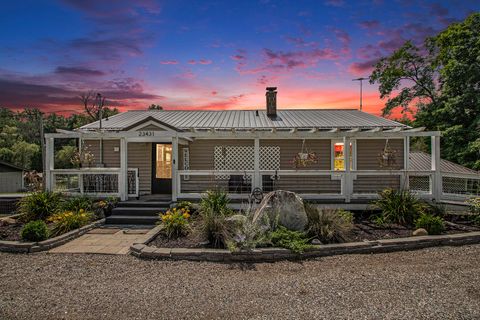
[[419, 184], [453, 185], [243, 158], [270, 158]]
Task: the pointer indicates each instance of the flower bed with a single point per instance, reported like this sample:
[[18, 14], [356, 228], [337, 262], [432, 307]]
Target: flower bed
[[44, 216], [398, 215]]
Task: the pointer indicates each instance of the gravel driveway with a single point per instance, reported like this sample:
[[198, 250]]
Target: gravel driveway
[[437, 283]]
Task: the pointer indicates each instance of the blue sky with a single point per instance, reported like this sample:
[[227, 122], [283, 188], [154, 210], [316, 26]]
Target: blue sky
[[205, 54]]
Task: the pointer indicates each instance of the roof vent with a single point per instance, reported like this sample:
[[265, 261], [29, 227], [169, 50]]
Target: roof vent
[[271, 101]]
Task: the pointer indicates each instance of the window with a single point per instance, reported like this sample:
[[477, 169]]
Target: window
[[339, 156], [164, 161]]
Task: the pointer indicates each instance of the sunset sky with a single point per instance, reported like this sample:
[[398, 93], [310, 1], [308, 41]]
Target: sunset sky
[[205, 54]]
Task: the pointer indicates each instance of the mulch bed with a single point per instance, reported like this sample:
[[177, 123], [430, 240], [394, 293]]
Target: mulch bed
[[10, 232], [191, 240], [364, 230]]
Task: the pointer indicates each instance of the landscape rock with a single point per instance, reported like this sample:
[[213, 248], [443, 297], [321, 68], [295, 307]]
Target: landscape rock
[[316, 242], [7, 221], [288, 206], [420, 232]]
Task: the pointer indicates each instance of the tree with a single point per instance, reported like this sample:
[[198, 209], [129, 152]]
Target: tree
[[24, 153], [64, 156], [93, 103], [155, 107], [410, 74], [443, 83]]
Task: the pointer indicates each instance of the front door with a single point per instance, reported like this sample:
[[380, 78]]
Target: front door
[[161, 168]]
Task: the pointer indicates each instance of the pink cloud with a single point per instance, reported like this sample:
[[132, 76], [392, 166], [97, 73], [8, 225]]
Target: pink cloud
[[362, 68], [205, 61], [169, 62]]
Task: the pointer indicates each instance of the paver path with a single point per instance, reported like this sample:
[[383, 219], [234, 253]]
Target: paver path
[[105, 240]]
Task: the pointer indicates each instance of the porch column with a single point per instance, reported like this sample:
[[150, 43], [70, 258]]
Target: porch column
[[437, 188], [257, 179], [406, 163], [49, 163], [348, 187], [174, 168], [123, 176]]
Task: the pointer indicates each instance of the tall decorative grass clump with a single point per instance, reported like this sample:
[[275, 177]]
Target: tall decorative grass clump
[[399, 206], [328, 225], [213, 223], [39, 205]]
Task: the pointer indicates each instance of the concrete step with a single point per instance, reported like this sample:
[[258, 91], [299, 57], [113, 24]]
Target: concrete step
[[134, 211], [144, 204], [131, 220]]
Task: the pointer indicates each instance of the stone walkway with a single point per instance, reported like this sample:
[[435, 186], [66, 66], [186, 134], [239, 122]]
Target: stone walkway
[[106, 241]]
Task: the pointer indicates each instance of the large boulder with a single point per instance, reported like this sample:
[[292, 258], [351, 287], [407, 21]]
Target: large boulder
[[288, 206]]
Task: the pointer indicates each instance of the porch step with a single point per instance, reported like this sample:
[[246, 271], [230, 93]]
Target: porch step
[[144, 204], [138, 211], [131, 220]]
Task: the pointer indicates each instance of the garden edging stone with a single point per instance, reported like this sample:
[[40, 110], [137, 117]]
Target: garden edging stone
[[31, 247], [143, 251]]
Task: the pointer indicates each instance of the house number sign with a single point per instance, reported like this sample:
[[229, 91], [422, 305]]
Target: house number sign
[[146, 133]]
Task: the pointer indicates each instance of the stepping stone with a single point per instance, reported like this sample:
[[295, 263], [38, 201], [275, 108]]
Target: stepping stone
[[104, 231], [136, 231]]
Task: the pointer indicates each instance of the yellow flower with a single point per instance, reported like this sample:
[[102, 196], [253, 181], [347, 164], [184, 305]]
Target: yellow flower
[[186, 215]]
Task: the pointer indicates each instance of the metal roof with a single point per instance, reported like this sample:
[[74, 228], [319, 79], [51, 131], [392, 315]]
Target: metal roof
[[247, 119], [421, 161]]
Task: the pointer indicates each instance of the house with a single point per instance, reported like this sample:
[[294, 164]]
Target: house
[[343, 156], [11, 178]]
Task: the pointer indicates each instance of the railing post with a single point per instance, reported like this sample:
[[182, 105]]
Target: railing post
[[174, 167], [123, 174], [437, 174], [348, 187], [405, 178], [257, 180], [49, 163]]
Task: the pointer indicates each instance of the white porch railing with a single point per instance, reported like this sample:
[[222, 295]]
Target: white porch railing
[[326, 184], [98, 182]]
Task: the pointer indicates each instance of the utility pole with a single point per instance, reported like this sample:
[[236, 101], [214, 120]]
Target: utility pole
[[361, 83]]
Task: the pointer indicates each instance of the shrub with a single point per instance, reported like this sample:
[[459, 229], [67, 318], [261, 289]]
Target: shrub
[[175, 222], [328, 225], [295, 241], [398, 206], [39, 205], [438, 210], [77, 203], [187, 205], [246, 234], [69, 220], [433, 224], [474, 205], [35, 231], [213, 224]]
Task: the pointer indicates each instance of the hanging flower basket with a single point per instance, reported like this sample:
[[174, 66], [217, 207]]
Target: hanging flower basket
[[303, 159], [387, 158]]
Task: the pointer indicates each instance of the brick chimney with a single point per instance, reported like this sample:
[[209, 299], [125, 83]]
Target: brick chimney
[[271, 101]]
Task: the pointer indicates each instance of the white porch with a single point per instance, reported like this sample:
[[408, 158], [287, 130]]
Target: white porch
[[345, 185]]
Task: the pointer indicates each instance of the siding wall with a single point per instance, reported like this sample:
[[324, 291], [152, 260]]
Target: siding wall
[[11, 181], [368, 151], [201, 151], [111, 159], [139, 156], [289, 148]]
